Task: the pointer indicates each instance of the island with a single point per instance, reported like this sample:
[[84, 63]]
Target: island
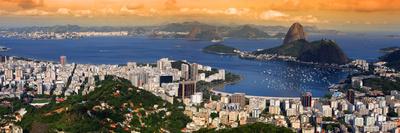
[[220, 49]]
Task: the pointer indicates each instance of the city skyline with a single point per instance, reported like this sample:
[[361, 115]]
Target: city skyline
[[352, 15]]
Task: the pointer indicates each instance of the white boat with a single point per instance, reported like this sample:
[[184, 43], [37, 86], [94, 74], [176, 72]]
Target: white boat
[[216, 40], [4, 49]]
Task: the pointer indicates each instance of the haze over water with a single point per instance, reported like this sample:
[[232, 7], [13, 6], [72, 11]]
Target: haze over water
[[271, 78]]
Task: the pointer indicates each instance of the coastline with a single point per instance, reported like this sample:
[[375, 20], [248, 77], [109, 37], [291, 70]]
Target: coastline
[[219, 53]]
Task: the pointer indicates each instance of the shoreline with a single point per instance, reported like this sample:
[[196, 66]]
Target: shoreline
[[213, 90], [219, 53]]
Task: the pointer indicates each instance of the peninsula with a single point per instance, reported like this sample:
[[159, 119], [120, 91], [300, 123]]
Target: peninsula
[[295, 45]]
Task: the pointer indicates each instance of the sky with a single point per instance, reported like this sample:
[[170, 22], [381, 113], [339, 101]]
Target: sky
[[345, 15]]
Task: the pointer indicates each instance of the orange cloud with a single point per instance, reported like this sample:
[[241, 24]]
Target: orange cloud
[[170, 5], [338, 5], [26, 4]]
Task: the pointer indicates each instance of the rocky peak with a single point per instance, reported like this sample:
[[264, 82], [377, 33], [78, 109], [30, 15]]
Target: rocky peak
[[296, 32]]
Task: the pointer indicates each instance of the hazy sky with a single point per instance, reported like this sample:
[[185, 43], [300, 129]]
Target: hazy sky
[[346, 15]]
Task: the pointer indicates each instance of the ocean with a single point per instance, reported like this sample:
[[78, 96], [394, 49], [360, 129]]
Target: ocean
[[261, 78]]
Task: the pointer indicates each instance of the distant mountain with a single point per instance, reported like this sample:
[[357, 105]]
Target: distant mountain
[[247, 32], [201, 31], [294, 44], [186, 27], [392, 59]]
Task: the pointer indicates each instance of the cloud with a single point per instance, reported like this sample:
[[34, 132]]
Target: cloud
[[135, 7], [307, 19], [83, 13], [138, 12], [32, 12], [272, 14], [63, 11], [236, 11], [337, 5], [27, 4], [170, 5], [207, 11]]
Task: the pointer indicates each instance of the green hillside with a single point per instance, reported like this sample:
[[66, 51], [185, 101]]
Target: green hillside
[[114, 106]]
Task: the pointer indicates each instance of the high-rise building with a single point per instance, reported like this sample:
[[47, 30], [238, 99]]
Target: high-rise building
[[306, 99], [197, 98], [8, 74], [350, 95], [39, 89], [131, 65], [63, 60], [185, 71], [238, 98], [164, 64], [165, 79], [186, 89], [194, 71], [222, 74], [18, 74]]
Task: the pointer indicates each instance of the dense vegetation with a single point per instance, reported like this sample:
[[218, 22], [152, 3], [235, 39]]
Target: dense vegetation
[[392, 59], [219, 49], [106, 109], [8, 106], [384, 84], [250, 128], [322, 51]]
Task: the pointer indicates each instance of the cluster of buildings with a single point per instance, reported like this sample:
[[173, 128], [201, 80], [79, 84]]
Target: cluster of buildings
[[40, 35], [249, 55], [46, 78], [346, 111]]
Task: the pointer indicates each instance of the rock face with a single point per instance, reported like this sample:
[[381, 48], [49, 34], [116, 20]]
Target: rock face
[[296, 32]]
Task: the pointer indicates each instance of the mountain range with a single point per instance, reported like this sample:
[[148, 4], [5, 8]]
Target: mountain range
[[205, 31]]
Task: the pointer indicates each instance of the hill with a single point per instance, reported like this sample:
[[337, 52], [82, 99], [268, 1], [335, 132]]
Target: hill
[[114, 106], [186, 26], [392, 59], [247, 32], [322, 51], [219, 49]]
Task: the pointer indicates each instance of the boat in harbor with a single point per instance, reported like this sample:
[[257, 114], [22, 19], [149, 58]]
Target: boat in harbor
[[4, 49]]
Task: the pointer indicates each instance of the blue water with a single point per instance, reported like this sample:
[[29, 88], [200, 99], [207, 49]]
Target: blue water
[[272, 78]]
